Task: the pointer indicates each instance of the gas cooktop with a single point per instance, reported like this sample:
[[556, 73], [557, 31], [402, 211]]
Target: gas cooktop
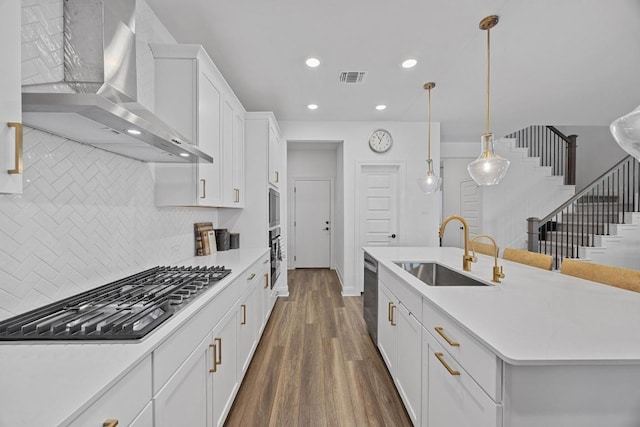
[[127, 309]]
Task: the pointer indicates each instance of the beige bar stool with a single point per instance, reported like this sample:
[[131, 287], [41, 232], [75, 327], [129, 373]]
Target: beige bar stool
[[533, 259], [613, 276], [485, 248]]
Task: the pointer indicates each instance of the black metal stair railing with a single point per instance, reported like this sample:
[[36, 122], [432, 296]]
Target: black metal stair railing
[[588, 213], [554, 149]]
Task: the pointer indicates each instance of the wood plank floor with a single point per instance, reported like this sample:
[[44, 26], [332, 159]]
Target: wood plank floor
[[316, 365]]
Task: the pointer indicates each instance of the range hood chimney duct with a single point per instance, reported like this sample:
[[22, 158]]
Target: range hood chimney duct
[[96, 103]]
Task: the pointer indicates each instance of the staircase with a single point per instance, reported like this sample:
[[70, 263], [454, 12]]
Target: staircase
[[600, 224]]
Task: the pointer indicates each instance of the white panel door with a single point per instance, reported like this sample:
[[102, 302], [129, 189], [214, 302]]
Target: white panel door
[[378, 216], [312, 218], [470, 207]]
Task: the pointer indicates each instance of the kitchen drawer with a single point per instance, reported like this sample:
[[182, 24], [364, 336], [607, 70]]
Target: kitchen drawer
[[481, 363], [454, 398], [408, 296], [250, 277], [123, 401], [175, 350]]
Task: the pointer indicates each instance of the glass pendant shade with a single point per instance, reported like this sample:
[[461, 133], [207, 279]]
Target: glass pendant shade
[[626, 131], [429, 183], [489, 168]]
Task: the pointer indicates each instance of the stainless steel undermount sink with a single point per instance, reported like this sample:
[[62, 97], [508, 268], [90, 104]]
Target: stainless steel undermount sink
[[437, 275]]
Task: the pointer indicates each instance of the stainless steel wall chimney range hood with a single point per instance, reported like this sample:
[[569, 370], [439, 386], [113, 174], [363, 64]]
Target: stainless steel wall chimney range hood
[[96, 102]]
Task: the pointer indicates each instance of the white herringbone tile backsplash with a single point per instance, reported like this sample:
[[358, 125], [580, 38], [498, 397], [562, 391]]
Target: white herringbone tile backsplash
[[86, 217]]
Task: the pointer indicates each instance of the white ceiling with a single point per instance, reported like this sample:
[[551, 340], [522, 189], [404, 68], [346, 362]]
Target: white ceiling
[[560, 62]]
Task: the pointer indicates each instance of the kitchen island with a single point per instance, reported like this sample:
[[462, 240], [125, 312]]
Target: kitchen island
[[540, 348], [81, 383]]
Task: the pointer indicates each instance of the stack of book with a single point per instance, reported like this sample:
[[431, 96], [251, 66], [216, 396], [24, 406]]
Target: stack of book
[[205, 238]]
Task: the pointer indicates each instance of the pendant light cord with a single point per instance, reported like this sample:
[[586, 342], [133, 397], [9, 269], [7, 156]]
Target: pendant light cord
[[487, 131], [429, 125]]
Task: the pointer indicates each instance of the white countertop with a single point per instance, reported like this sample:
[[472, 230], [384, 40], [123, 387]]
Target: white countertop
[[534, 316], [46, 384]]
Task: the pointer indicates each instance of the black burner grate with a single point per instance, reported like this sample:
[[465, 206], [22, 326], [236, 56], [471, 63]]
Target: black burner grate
[[126, 309]]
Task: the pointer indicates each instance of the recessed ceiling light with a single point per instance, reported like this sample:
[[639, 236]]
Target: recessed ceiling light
[[409, 63], [134, 131], [312, 62], [381, 107], [312, 107], [184, 154]]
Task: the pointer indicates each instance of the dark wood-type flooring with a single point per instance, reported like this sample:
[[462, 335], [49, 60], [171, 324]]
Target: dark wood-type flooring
[[316, 365]]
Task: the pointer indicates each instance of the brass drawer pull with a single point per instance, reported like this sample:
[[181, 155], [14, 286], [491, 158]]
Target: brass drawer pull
[[18, 138], [277, 176], [441, 359], [252, 276], [244, 314], [389, 314], [449, 341], [237, 195], [110, 423], [214, 352], [266, 280], [219, 341], [204, 188]]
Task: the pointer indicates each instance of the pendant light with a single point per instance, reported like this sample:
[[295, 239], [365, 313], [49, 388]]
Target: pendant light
[[489, 168], [430, 182], [626, 131]]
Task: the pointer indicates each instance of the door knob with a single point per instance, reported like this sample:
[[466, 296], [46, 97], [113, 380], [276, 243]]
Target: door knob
[[393, 236], [326, 228], [326, 222]]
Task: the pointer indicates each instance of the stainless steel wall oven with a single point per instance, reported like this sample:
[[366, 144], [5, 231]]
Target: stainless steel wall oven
[[276, 253]]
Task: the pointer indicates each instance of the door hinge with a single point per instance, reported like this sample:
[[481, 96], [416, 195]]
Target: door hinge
[[295, 258], [295, 189]]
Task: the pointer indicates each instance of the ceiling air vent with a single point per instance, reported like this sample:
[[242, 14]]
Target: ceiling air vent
[[349, 77]]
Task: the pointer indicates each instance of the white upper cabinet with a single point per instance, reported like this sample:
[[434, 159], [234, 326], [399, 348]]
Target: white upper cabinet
[[10, 99], [274, 157], [193, 97]]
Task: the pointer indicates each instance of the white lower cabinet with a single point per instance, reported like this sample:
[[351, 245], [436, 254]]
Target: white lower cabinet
[[249, 320], [224, 372], [123, 401], [399, 341], [453, 397], [186, 399]]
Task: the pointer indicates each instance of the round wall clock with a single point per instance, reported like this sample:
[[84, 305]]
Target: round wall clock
[[380, 141]]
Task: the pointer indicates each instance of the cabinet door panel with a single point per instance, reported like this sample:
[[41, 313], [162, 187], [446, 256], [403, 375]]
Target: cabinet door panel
[[209, 140], [225, 381], [144, 418], [238, 159], [274, 156], [184, 399], [408, 369], [387, 338], [247, 326], [11, 104]]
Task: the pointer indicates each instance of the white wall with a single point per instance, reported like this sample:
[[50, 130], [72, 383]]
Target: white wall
[[311, 160], [596, 152], [419, 223]]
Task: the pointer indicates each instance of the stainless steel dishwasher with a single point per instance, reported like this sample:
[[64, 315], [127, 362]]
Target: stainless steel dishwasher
[[370, 296]]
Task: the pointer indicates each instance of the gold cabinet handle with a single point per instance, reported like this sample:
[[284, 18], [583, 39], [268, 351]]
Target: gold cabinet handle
[[266, 261], [213, 352], [110, 423], [449, 341], [237, 195], [204, 188], [219, 341], [18, 138], [252, 276], [244, 314], [266, 280], [392, 318], [277, 176], [440, 357], [389, 311]]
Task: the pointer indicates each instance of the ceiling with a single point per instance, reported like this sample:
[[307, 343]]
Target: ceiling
[[569, 62]]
